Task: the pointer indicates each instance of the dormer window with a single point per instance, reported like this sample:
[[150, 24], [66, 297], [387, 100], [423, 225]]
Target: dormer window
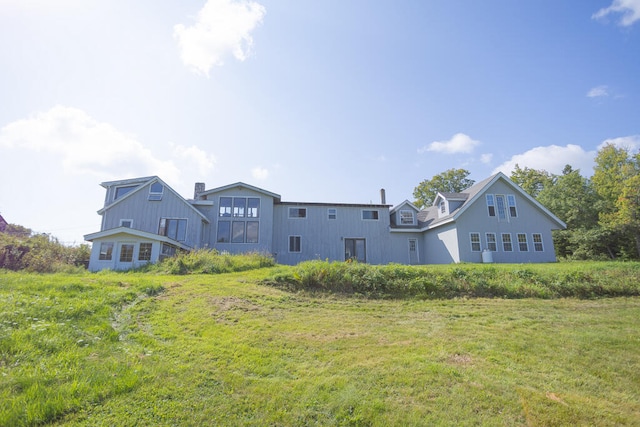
[[443, 207], [155, 191], [406, 217], [122, 191]]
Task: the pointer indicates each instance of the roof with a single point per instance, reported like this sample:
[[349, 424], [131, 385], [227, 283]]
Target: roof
[[240, 185], [135, 233]]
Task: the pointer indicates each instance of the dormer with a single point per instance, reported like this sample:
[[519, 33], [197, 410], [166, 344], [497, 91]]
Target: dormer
[[404, 215], [447, 203]]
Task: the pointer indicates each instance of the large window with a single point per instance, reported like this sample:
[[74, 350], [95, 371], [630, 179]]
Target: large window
[[502, 208], [537, 242], [106, 251], [126, 252], [144, 252], [370, 214], [173, 228], [224, 210], [253, 228], [507, 246], [224, 231], [239, 206], [523, 245], [297, 212], [121, 191], [475, 242], [237, 232], [253, 207], [491, 242], [294, 244]]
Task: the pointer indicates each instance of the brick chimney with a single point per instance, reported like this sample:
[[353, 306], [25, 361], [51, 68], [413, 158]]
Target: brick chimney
[[199, 188]]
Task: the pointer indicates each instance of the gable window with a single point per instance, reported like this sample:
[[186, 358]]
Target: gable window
[[475, 242], [237, 232], [224, 210], [126, 252], [502, 209], [294, 244], [513, 211], [537, 242], [491, 242], [406, 217], [155, 191], [523, 245], [491, 205], [507, 246], [332, 213], [121, 191], [443, 207], [253, 207], [369, 214], [297, 212], [239, 205], [126, 223], [106, 251], [175, 229], [224, 232], [144, 252]]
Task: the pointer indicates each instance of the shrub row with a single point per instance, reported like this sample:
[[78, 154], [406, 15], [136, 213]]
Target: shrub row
[[205, 261], [461, 280]]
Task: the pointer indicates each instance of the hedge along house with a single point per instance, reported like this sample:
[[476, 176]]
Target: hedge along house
[[144, 220]]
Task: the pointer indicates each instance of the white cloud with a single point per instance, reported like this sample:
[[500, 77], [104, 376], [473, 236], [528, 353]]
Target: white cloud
[[631, 142], [84, 145], [459, 143], [222, 27], [260, 173], [552, 158], [486, 158], [195, 156], [630, 10], [598, 91]]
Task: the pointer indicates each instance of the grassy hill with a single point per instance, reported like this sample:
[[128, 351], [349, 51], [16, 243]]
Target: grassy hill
[[224, 349]]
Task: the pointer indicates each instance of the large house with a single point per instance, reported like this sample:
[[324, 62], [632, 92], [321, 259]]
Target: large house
[[145, 220]]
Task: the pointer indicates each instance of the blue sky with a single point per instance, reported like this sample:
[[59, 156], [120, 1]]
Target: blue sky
[[316, 101]]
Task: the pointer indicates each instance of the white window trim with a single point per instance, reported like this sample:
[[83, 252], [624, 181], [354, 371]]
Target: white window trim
[[370, 210], [407, 212], [122, 221], [510, 241], [541, 243], [471, 242], [495, 241]]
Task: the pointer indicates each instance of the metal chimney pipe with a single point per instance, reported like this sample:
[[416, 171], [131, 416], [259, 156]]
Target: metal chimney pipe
[[383, 196]]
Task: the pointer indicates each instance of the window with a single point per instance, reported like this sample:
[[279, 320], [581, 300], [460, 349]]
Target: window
[[406, 217], [523, 246], [237, 232], [253, 228], [297, 212], [491, 242], [491, 206], [167, 251], [175, 229], [144, 252], [155, 191], [106, 251], [253, 207], [332, 213], [443, 207], [224, 209], [239, 205], [355, 249], [475, 242], [126, 252], [511, 200], [502, 209], [369, 214], [121, 191], [537, 242], [126, 223], [224, 232], [294, 244], [506, 242]]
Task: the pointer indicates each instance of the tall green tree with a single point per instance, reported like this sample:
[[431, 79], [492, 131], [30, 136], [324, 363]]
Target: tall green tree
[[616, 179], [533, 181], [450, 181]]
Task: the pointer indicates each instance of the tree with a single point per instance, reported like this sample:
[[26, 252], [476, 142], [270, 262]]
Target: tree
[[450, 181], [532, 181], [616, 179]]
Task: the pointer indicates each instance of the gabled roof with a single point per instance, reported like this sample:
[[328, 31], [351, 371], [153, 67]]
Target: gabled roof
[[144, 183], [240, 185], [450, 196], [135, 233], [405, 203], [428, 218]]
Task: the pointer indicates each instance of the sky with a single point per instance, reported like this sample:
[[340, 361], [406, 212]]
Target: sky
[[317, 101]]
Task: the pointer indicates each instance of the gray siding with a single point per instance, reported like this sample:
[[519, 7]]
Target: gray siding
[[442, 245]]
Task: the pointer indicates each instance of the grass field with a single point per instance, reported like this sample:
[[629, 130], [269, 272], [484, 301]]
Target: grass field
[[149, 349]]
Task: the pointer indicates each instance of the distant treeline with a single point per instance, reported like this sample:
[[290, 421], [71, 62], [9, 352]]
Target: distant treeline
[[21, 249]]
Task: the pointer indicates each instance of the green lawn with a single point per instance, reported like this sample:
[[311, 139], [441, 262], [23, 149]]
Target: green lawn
[[144, 349]]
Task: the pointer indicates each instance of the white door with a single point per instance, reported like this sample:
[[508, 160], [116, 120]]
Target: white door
[[413, 252]]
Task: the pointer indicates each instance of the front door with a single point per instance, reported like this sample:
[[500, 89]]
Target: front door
[[355, 249], [413, 251]]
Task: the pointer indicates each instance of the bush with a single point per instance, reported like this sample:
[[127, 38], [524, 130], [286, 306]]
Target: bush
[[204, 261]]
